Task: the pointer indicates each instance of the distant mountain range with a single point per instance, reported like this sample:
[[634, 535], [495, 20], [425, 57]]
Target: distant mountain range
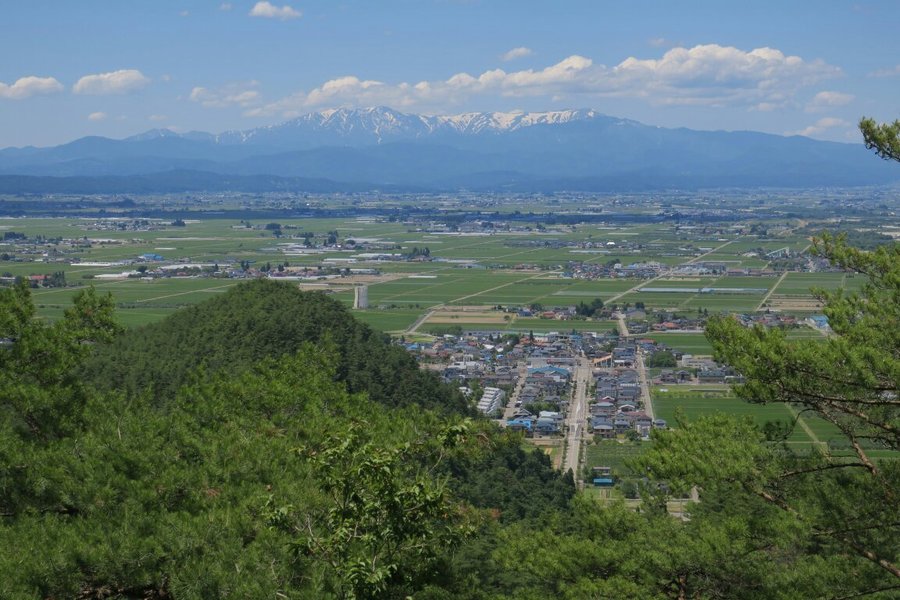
[[378, 148]]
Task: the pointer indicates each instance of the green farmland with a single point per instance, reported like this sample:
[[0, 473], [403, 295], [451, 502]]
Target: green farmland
[[614, 454], [473, 269], [688, 343], [693, 401]]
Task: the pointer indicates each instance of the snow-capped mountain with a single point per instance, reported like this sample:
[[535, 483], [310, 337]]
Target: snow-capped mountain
[[567, 149], [381, 124], [478, 122]]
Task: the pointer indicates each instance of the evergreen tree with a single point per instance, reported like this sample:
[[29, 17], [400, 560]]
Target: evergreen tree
[[883, 138], [833, 507]]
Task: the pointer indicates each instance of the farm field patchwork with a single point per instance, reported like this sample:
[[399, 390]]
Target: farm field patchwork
[[416, 287]]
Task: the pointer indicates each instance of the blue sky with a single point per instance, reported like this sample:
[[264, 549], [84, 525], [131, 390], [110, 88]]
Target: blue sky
[[70, 69]]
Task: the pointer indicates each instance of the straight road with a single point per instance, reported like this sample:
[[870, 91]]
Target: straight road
[[511, 405], [575, 420], [771, 291], [623, 327], [645, 386], [713, 251], [412, 328]]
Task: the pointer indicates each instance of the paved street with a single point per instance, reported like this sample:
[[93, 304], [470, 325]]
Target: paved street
[[641, 369], [575, 420], [510, 408], [645, 387]]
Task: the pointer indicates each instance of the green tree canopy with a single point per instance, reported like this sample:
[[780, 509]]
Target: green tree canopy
[[883, 138], [832, 506], [264, 479], [261, 319]]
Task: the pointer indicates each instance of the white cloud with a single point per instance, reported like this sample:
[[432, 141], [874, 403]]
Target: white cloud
[[268, 10], [520, 52], [820, 127], [226, 6], [713, 75], [115, 82], [709, 75], [185, 13], [233, 94], [25, 87], [888, 72], [658, 42], [157, 118], [827, 100], [97, 116]]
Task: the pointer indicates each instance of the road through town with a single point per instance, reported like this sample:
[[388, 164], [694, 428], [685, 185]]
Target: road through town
[[645, 386], [575, 419]]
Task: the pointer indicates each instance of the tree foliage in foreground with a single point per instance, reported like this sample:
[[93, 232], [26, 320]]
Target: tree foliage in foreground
[[834, 508], [266, 480], [883, 138]]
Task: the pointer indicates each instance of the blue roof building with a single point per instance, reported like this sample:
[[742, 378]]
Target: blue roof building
[[521, 423]]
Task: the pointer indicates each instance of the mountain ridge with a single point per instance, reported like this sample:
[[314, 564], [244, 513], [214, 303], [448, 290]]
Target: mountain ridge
[[382, 146]]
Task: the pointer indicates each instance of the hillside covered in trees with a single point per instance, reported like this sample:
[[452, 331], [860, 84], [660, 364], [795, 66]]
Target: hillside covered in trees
[[265, 319]]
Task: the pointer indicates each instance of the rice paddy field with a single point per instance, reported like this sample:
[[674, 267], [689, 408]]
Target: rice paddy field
[[693, 401], [470, 269], [614, 454], [687, 343]]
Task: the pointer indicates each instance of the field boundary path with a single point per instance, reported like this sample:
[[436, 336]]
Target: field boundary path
[[493, 289], [713, 251], [216, 287], [806, 428], [412, 328], [771, 291], [632, 289]]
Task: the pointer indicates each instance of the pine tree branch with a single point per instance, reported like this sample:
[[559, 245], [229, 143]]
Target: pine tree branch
[[866, 593], [858, 548], [820, 469]]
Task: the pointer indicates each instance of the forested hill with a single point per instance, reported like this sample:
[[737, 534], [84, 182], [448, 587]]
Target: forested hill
[[265, 319], [260, 477]]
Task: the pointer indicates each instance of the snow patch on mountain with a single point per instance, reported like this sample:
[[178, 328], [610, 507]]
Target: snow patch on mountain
[[385, 123], [381, 124]]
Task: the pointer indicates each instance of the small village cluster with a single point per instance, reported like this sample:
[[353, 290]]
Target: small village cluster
[[526, 381]]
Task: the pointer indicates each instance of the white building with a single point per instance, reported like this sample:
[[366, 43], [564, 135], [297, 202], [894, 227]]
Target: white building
[[491, 400]]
